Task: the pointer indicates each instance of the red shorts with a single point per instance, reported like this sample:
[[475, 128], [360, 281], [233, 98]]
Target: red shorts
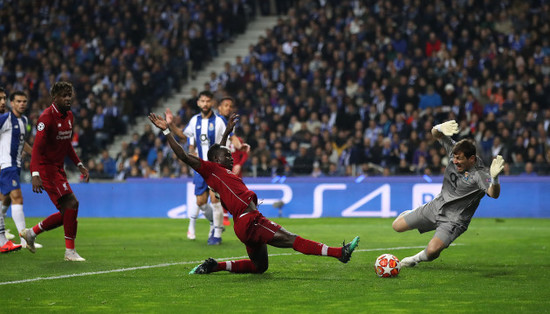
[[55, 183], [253, 228]]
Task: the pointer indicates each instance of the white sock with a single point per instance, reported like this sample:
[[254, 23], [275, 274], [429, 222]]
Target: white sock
[[193, 213], [211, 228], [3, 239], [420, 256], [192, 222], [208, 211], [218, 219], [18, 216]]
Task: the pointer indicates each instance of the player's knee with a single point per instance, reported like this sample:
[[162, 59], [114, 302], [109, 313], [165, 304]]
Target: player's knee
[[399, 224], [6, 201], [74, 204], [15, 200], [260, 269], [68, 202]]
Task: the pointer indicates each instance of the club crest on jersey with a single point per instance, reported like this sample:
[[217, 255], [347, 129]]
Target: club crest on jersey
[[210, 126], [40, 126], [466, 175]]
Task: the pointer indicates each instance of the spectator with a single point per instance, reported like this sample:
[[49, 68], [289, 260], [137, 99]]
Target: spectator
[[430, 100], [108, 164], [529, 170], [303, 65], [303, 164]]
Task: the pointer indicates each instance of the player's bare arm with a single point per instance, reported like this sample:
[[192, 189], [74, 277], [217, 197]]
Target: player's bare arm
[[160, 123], [229, 128], [37, 186], [84, 171], [173, 128], [238, 145], [192, 150], [27, 148]]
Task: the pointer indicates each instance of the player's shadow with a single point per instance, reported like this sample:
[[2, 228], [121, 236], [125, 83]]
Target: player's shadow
[[487, 271]]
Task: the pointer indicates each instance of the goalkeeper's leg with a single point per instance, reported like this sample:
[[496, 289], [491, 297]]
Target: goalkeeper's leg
[[430, 253]]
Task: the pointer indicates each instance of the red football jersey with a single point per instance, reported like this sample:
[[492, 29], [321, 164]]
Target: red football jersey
[[234, 195], [239, 157], [52, 143]]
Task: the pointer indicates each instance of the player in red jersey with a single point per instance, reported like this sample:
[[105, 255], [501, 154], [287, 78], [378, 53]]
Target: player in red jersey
[[250, 226], [226, 108], [51, 145]]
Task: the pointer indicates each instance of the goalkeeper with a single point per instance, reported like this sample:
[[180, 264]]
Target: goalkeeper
[[465, 182]]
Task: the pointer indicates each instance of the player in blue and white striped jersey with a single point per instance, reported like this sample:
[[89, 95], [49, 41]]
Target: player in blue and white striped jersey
[[13, 128], [204, 130]]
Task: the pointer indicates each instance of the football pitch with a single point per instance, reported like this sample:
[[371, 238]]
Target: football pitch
[[142, 265]]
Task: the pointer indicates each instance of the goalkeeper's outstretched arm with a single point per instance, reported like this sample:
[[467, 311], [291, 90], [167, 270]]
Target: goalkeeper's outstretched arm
[[448, 128], [496, 168]]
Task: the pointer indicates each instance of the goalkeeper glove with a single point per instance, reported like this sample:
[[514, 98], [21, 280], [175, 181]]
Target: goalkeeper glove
[[448, 128], [496, 167]]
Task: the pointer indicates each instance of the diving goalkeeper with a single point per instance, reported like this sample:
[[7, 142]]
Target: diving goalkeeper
[[465, 183]]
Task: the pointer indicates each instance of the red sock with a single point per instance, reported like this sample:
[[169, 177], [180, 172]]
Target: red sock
[[51, 222], [242, 266], [69, 224], [309, 247]]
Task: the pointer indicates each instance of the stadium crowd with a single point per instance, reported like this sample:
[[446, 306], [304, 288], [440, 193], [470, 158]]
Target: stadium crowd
[[336, 88]]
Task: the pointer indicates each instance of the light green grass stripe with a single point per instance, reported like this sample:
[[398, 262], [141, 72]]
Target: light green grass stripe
[[178, 263]]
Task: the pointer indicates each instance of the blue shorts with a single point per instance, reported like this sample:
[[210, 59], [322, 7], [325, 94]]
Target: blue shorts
[[200, 184], [10, 180]]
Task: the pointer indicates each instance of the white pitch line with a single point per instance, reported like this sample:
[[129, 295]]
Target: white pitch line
[[180, 263]]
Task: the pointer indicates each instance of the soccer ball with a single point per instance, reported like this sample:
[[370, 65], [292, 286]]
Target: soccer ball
[[387, 265]]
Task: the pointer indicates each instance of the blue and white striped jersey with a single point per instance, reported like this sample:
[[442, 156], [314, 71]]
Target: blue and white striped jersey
[[12, 139], [203, 133]]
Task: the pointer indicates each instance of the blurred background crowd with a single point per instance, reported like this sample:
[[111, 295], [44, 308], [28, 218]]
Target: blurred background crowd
[[336, 88]]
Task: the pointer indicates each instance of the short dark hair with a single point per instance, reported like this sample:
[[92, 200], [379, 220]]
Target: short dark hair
[[228, 98], [18, 93], [465, 146], [206, 93], [61, 87], [213, 151]]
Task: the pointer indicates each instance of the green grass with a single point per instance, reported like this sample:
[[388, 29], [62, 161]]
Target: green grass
[[496, 266]]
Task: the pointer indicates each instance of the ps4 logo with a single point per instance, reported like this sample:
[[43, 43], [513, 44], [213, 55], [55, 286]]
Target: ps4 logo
[[323, 195]]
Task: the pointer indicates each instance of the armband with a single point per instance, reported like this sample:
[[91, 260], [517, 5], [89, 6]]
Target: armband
[[35, 174], [166, 132], [80, 164]]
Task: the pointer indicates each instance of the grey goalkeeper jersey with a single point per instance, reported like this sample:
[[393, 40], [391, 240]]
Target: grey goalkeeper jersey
[[461, 192]]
